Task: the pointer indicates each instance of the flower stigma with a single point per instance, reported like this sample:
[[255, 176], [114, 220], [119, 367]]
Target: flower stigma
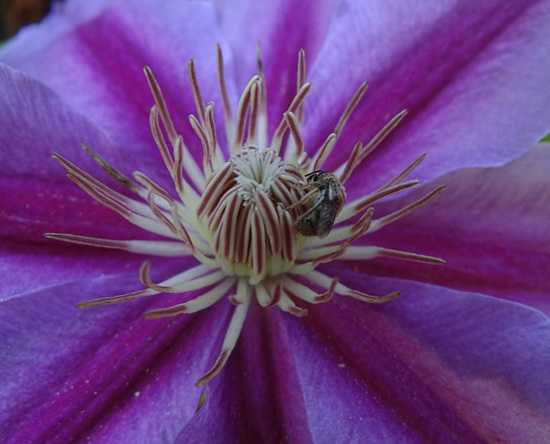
[[259, 219]]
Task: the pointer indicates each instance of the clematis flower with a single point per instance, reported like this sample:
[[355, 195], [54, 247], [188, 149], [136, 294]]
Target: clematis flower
[[462, 353]]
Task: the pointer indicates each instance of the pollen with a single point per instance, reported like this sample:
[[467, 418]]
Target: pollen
[[258, 214]]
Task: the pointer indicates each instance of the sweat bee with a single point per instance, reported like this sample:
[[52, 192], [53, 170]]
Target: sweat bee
[[328, 200]]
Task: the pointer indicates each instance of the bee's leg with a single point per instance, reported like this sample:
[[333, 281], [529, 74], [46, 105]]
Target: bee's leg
[[305, 199]]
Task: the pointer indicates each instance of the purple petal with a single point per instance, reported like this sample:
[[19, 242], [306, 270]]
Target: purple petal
[[32, 267], [434, 365], [490, 225], [36, 197], [256, 398], [281, 28], [473, 77], [116, 378], [103, 76]]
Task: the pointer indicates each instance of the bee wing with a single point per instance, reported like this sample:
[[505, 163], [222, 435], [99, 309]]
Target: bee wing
[[327, 215]]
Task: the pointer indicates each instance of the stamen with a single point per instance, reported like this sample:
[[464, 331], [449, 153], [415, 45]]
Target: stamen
[[324, 151], [375, 141], [182, 187], [156, 248], [379, 223], [405, 172], [297, 102], [116, 299], [274, 289], [109, 169], [224, 238], [254, 105], [160, 215], [262, 295], [352, 162], [364, 297], [288, 305], [259, 254], [325, 297], [294, 126], [349, 108], [233, 332], [212, 192], [161, 105], [303, 292], [159, 138], [242, 110], [228, 114], [152, 186], [213, 140], [300, 81], [359, 205], [199, 303], [270, 216], [364, 252], [262, 124], [195, 124], [199, 102]]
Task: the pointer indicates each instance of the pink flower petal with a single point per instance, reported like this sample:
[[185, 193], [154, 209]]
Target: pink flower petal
[[103, 77], [488, 225], [472, 78], [281, 28], [36, 196], [117, 376], [433, 365], [257, 397]]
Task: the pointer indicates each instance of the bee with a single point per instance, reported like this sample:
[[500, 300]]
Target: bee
[[328, 201]]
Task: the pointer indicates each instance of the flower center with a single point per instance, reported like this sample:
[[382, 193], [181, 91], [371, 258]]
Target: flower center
[[258, 217], [245, 211]]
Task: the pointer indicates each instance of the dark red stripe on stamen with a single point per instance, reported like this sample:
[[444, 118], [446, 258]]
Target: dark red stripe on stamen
[[217, 213], [180, 229], [193, 81], [214, 189], [275, 291], [376, 140], [300, 81], [101, 197], [324, 151], [411, 207], [242, 111], [116, 299], [211, 131], [199, 130], [289, 235], [229, 227], [161, 104], [159, 139], [294, 106], [242, 237], [221, 82], [177, 173], [159, 214], [258, 245], [254, 105], [269, 216], [325, 297], [351, 163], [383, 193], [294, 126], [349, 108]]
